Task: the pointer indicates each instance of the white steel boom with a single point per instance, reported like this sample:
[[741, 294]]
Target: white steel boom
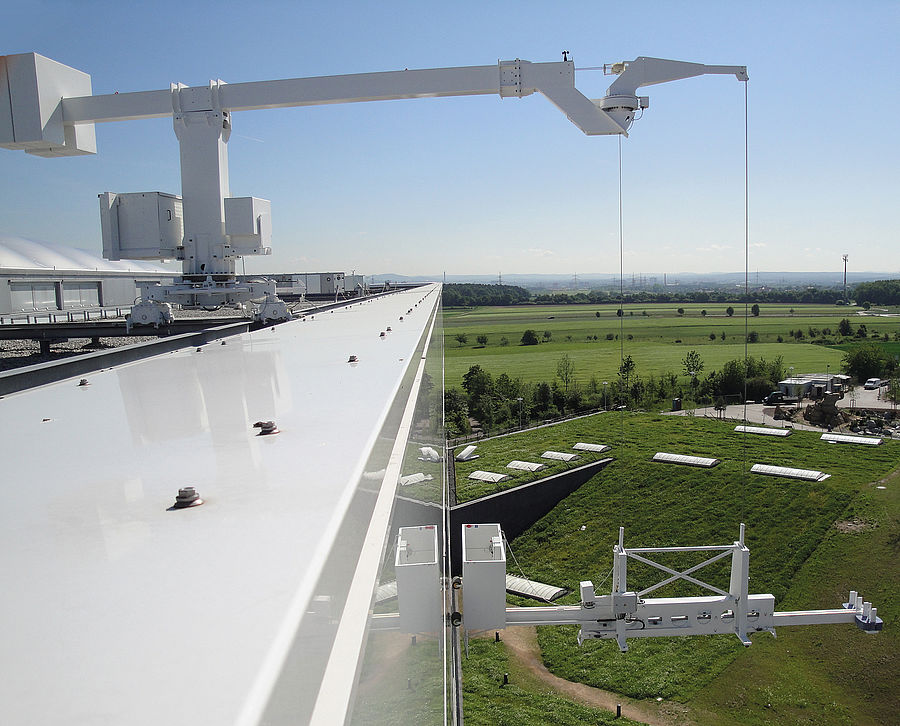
[[47, 109]]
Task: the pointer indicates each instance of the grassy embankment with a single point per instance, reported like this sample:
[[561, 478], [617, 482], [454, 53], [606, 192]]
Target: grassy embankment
[[824, 674], [653, 347]]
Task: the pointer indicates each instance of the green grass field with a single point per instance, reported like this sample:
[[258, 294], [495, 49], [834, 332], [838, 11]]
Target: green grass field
[[654, 335], [821, 675]]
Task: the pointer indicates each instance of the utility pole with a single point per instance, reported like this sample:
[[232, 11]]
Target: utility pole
[[844, 257]]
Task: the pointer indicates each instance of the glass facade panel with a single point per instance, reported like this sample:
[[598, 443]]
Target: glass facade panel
[[405, 677]]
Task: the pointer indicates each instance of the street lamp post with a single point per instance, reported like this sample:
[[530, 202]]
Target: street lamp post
[[605, 384], [519, 399]]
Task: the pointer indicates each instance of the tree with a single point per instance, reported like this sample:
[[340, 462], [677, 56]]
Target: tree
[[712, 336], [547, 335], [482, 339], [680, 311], [477, 382], [565, 371], [862, 331], [462, 339], [619, 312], [542, 397], [845, 328], [529, 337], [504, 341], [626, 369], [867, 360], [597, 314], [703, 312], [723, 335], [693, 364], [729, 311], [755, 310], [752, 337]]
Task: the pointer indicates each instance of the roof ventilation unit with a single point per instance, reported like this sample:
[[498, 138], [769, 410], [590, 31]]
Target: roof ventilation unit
[[787, 472], [762, 431], [686, 460]]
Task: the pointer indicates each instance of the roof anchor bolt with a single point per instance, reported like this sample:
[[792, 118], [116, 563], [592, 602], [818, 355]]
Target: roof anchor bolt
[[84, 382], [266, 428], [187, 497]]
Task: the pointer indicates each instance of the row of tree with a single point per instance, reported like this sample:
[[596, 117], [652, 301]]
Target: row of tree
[[879, 292], [471, 294], [504, 401]]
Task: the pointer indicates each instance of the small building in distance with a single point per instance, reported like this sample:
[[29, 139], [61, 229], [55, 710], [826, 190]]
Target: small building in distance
[[813, 385], [41, 277]]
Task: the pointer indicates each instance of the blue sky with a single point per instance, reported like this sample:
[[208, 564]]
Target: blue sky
[[480, 184]]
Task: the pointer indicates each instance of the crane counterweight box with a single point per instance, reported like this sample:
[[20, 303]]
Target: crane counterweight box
[[141, 226]]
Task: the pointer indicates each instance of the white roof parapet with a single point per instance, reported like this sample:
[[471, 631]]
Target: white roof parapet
[[789, 473], [467, 454], [700, 461], [525, 465], [530, 588], [763, 431], [559, 456], [488, 476], [598, 448], [846, 439]]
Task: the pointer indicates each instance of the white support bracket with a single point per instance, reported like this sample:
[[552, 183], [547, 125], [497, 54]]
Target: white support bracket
[[627, 614]]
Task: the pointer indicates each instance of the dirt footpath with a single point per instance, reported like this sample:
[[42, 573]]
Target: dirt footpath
[[521, 642]]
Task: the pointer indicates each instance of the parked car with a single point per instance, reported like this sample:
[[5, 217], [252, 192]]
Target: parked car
[[872, 384]]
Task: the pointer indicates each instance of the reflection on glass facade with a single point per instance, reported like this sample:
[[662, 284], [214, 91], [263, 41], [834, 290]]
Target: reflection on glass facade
[[405, 677]]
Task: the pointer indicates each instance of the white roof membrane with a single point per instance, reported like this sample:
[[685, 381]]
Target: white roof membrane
[[116, 598]]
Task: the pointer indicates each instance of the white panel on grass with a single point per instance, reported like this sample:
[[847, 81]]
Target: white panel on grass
[[598, 448], [762, 431], [524, 466], [559, 456], [686, 460], [789, 473], [488, 476]]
